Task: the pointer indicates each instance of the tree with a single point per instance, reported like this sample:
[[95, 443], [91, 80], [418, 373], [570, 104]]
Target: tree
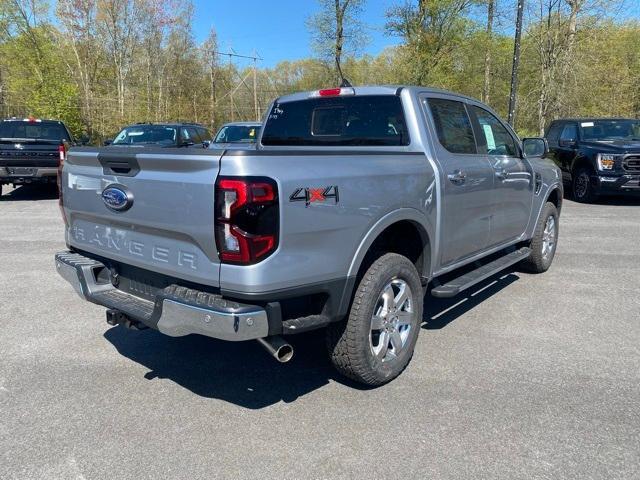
[[513, 93], [486, 88], [210, 53], [431, 30], [118, 24], [336, 29], [78, 30]]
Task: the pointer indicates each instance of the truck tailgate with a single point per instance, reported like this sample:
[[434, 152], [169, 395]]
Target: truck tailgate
[[168, 223]]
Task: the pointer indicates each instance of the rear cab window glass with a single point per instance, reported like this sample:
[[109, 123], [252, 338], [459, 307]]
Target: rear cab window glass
[[365, 120], [453, 125], [33, 130]]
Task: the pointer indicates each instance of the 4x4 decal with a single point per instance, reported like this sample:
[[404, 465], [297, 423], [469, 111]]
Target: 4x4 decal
[[311, 195]]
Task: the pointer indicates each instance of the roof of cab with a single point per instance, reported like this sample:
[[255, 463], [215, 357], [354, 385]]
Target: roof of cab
[[378, 90], [243, 124]]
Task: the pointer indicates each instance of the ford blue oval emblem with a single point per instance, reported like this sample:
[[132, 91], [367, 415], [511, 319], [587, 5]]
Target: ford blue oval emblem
[[117, 197]]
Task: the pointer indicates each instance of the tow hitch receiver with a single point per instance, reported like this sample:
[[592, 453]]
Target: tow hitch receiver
[[116, 317]]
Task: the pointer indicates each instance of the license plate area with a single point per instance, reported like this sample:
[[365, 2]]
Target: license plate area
[[22, 171]]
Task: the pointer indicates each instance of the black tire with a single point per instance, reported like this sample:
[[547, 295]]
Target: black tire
[[540, 259], [350, 342], [581, 186]]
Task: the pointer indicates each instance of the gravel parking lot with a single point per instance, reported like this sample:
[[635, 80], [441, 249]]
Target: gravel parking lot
[[531, 376]]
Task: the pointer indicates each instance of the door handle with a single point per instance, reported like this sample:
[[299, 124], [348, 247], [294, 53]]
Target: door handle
[[502, 174], [458, 177]]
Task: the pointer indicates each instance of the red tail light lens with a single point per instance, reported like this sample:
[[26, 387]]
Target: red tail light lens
[[62, 154], [246, 219]]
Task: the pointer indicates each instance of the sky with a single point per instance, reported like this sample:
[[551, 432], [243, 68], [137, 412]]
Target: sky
[[276, 29]]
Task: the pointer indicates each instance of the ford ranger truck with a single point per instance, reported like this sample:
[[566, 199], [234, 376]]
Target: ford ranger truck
[[597, 156], [30, 149], [353, 204]]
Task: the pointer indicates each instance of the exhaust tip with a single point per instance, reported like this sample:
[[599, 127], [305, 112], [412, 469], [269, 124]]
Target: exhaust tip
[[284, 353], [277, 347]]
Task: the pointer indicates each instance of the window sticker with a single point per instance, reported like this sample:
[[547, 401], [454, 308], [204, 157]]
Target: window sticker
[[586, 124], [488, 134]]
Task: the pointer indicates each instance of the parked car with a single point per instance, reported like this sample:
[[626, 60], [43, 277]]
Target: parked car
[[597, 155], [237, 133], [334, 221], [30, 149], [166, 135]]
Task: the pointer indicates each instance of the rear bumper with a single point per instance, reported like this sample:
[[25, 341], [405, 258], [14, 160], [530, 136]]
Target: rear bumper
[[21, 174], [621, 185], [176, 310]]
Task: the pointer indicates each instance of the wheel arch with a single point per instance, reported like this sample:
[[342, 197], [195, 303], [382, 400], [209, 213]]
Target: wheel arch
[[555, 196], [407, 220], [404, 219]]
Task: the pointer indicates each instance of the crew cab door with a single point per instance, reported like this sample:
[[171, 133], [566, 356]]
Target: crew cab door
[[513, 176], [467, 180]]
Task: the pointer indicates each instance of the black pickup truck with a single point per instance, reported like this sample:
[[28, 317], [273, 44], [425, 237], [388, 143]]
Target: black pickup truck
[[30, 149], [599, 156]]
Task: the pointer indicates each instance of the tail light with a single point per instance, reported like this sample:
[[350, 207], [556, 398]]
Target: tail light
[[62, 155], [247, 222]]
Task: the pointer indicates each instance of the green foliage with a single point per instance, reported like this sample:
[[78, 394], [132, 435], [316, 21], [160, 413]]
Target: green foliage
[[65, 68]]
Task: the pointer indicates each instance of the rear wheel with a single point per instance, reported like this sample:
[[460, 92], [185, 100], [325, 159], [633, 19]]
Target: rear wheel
[[582, 188], [376, 342]]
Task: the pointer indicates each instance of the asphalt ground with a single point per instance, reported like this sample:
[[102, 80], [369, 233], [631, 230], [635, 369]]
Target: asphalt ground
[[528, 376]]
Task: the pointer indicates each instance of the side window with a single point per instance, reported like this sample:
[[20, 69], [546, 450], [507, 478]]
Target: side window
[[554, 133], [569, 132], [205, 135], [194, 134], [186, 136], [499, 140], [452, 125]]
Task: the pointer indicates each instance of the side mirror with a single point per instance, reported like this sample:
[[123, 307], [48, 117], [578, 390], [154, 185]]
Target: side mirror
[[107, 142], [206, 143], [535, 147], [568, 143]]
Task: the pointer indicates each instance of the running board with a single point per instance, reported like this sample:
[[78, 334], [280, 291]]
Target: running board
[[455, 286]]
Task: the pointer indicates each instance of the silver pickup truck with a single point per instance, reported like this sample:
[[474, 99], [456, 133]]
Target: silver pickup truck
[[354, 203]]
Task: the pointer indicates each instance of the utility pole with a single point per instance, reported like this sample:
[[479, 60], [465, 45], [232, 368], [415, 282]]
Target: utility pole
[[255, 86], [231, 96], [255, 59], [513, 96]]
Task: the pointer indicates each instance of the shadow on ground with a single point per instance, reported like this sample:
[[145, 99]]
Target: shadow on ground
[[241, 373], [30, 192], [440, 312], [244, 374]]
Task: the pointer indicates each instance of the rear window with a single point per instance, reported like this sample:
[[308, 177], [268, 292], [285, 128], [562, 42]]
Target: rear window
[[371, 120], [37, 131]]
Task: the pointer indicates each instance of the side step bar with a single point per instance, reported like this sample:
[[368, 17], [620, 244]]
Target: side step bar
[[457, 285]]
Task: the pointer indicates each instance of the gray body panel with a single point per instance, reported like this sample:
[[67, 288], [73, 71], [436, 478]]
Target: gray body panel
[[169, 228], [171, 220]]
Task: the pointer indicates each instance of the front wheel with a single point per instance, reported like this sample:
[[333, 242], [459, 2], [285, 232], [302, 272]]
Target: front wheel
[[582, 188], [376, 342], [544, 241]]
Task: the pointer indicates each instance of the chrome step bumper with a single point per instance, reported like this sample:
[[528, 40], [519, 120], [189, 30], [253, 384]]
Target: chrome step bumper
[[176, 311]]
